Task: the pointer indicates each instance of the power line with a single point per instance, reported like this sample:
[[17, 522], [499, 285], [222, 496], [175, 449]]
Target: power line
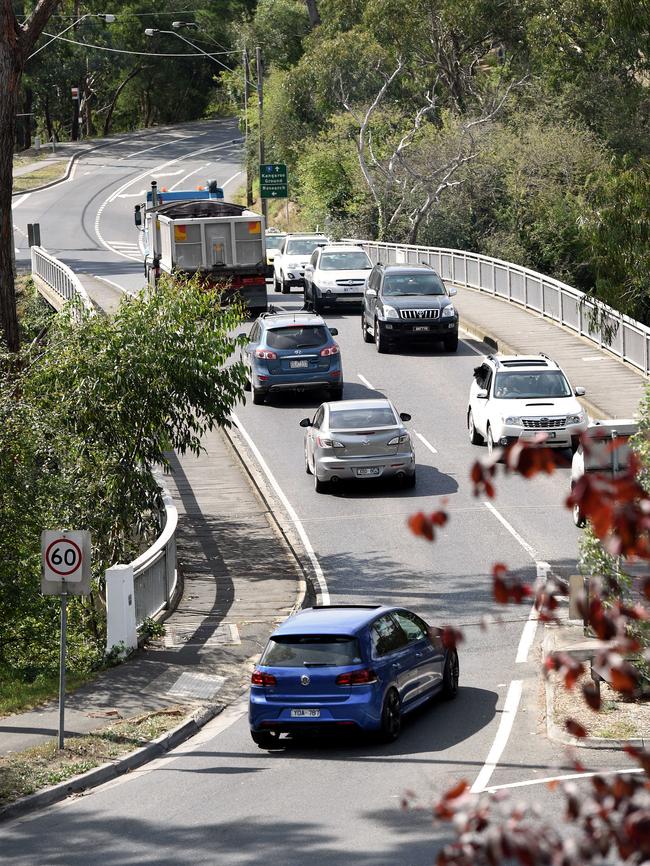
[[139, 53]]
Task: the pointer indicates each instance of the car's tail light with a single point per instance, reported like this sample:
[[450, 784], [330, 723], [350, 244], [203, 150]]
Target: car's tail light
[[259, 678], [397, 440], [328, 443], [329, 350], [357, 678], [266, 354]]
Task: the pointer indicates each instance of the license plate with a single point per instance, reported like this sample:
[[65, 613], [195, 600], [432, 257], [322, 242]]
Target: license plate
[[368, 470], [305, 714], [349, 288], [298, 364], [421, 328]]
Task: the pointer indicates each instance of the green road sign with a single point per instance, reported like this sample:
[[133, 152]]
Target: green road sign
[[273, 180]]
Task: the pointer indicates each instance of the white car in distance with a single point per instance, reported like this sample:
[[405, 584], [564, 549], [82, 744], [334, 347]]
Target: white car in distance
[[290, 263], [516, 397], [336, 276]]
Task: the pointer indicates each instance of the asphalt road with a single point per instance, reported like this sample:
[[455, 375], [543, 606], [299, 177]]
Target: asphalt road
[[219, 799]]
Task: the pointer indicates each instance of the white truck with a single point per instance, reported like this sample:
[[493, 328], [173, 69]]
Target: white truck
[[197, 232]]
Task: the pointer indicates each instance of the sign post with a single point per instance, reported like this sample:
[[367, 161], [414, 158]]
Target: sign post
[[273, 180], [65, 570]]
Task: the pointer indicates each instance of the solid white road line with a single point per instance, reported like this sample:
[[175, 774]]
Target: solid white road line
[[114, 284], [225, 183], [425, 443], [19, 201], [569, 777], [527, 547], [503, 732], [323, 591], [365, 382]]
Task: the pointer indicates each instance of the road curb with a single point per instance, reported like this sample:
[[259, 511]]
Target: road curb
[[111, 770], [479, 333], [556, 732], [282, 526]]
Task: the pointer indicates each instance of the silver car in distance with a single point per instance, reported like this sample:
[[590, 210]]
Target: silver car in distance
[[358, 439]]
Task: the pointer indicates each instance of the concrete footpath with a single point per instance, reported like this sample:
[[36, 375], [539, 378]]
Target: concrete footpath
[[240, 579]]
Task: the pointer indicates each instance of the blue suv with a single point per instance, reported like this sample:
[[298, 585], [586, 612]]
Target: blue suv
[[348, 666], [293, 351]]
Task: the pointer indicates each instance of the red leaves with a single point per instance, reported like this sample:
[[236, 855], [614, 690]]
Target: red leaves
[[505, 590], [575, 728], [568, 668], [637, 828], [591, 695], [624, 677], [446, 807], [451, 637], [519, 458], [423, 524]]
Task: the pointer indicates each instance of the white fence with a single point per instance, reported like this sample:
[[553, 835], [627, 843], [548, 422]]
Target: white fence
[[59, 278], [154, 572], [557, 301]]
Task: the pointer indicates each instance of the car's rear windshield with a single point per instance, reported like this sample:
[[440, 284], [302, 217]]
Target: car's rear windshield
[[531, 385], [414, 284], [303, 247], [354, 419], [275, 242], [297, 337], [348, 261], [312, 650]]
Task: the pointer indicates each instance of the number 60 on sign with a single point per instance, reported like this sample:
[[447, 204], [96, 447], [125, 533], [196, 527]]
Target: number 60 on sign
[[65, 561]]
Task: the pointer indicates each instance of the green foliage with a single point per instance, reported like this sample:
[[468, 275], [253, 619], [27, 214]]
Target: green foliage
[[84, 418], [150, 629]]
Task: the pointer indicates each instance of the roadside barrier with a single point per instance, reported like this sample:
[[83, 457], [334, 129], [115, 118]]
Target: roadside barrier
[[564, 305], [56, 281]]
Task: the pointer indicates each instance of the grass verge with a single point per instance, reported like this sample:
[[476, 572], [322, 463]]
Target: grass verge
[[17, 696], [40, 176], [23, 773]]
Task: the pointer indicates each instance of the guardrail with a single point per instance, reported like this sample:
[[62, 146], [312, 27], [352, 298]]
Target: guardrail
[[56, 275], [630, 340], [154, 572]]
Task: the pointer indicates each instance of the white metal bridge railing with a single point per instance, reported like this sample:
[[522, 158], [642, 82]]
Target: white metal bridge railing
[[630, 340], [154, 571], [61, 279]]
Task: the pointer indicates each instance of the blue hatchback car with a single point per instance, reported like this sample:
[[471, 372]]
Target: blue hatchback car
[[348, 666], [293, 351]]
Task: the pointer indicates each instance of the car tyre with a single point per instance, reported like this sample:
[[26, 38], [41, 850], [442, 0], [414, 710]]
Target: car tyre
[[258, 396], [284, 288], [391, 718], [247, 384], [451, 343], [276, 284], [409, 481], [578, 517], [265, 739], [365, 333], [381, 342], [451, 676], [474, 436], [317, 302], [320, 486], [307, 466]]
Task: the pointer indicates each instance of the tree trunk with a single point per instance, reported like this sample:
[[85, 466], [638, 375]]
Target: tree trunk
[[74, 128], [10, 79], [314, 15], [109, 115], [48, 118]]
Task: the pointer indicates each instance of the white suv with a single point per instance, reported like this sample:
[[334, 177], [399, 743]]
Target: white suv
[[336, 274], [518, 396], [290, 263]]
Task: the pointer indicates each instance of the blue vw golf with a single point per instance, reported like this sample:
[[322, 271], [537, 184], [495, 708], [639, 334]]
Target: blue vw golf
[[293, 351], [354, 666]]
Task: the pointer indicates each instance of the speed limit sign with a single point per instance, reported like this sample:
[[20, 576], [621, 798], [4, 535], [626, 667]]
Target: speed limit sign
[[65, 562]]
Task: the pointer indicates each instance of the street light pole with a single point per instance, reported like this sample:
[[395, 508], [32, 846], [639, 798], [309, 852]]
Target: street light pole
[[260, 112], [249, 179]]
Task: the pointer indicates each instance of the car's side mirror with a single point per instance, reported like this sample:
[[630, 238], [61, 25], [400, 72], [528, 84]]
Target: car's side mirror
[[482, 394], [371, 293], [306, 422], [405, 416], [580, 392], [451, 291], [334, 332]]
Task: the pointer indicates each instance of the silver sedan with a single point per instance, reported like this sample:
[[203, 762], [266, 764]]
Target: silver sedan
[[358, 439]]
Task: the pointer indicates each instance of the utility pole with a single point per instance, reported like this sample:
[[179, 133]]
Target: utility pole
[[260, 109], [249, 178]]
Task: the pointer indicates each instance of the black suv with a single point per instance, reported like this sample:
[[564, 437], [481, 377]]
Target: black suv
[[408, 303]]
